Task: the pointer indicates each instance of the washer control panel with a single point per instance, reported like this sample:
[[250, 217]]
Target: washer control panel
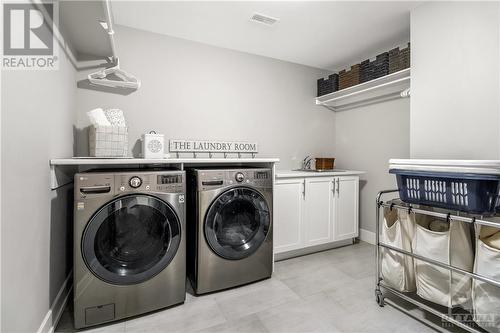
[[212, 179], [92, 184], [167, 181]]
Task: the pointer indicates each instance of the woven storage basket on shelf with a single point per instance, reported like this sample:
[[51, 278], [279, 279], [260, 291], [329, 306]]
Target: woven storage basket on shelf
[[399, 59], [394, 63], [349, 78], [108, 141], [329, 85], [404, 57], [371, 70]]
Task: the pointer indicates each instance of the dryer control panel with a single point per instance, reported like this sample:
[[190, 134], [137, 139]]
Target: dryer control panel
[[212, 179]]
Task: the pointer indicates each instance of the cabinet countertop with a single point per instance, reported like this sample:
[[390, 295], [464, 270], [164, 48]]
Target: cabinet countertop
[[306, 174]]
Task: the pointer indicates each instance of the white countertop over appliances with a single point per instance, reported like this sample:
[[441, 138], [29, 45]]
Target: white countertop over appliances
[[125, 161], [63, 169]]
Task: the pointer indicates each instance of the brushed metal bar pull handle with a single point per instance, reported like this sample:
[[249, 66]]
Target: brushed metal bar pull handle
[[338, 187], [304, 189], [212, 183], [333, 187], [95, 189]]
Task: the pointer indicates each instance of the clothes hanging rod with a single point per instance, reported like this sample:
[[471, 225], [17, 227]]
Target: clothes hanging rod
[[369, 101], [110, 31]]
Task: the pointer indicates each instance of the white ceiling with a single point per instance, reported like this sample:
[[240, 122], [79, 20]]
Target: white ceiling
[[327, 34]]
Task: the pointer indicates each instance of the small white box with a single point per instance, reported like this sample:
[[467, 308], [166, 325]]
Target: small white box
[[153, 145]]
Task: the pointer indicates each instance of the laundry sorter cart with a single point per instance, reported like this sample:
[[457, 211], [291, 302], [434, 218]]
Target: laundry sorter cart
[[383, 289]]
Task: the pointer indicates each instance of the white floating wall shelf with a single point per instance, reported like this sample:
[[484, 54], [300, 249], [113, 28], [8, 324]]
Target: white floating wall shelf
[[389, 87]]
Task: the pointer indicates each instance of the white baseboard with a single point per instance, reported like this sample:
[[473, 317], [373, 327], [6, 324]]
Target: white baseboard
[[367, 236], [310, 250], [55, 312]]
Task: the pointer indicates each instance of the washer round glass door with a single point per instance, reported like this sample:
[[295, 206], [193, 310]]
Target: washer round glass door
[[131, 239], [237, 223]]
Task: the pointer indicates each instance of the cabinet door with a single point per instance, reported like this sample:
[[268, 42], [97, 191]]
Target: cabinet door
[[318, 211], [288, 204], [346, 206]]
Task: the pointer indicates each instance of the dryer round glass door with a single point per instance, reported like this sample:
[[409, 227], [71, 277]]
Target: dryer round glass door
[[237, 223], [131, 239]]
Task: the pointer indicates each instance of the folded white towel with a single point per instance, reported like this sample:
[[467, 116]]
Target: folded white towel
[[98, 118]]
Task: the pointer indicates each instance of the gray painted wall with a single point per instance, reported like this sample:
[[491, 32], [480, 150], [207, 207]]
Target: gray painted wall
[[38, 114], [366, 138], [455, 103], [195, 91]]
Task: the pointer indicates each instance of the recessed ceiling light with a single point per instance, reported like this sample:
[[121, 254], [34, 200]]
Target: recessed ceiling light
[[263, 19]]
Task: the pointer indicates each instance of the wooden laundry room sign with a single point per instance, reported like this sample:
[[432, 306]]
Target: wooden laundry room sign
[[207, 146]]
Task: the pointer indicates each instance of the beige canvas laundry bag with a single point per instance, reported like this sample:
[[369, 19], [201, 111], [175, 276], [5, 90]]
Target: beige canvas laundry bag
[[397, 269], [452, 247], [486, 297]]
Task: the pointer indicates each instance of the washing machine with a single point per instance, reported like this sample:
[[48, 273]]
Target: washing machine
[[229, 227], [129, 244]]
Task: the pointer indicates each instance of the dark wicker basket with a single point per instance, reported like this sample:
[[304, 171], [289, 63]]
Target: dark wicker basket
[[371, 70], [329, 85], [399, 59], [349, 78]]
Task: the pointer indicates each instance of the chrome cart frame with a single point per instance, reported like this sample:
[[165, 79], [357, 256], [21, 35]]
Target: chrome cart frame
[[382, 289]]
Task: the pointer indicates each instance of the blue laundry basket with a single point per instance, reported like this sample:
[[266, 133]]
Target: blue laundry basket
[[471, 193]]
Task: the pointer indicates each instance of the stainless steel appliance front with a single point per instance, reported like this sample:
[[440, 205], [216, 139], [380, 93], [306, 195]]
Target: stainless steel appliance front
[[229, 227], [129, 244]]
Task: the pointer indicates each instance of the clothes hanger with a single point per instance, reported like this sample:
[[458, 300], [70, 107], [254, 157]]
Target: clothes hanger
[[126, 80]]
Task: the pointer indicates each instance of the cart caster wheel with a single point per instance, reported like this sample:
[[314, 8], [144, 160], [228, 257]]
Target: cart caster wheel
[[379, 298]]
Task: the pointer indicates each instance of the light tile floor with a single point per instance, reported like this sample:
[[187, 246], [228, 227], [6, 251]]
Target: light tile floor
[[330, 291]]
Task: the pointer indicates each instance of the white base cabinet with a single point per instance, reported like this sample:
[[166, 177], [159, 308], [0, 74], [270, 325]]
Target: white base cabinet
[[317, 202], [346, 221], [315, 211], [288, 198]]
